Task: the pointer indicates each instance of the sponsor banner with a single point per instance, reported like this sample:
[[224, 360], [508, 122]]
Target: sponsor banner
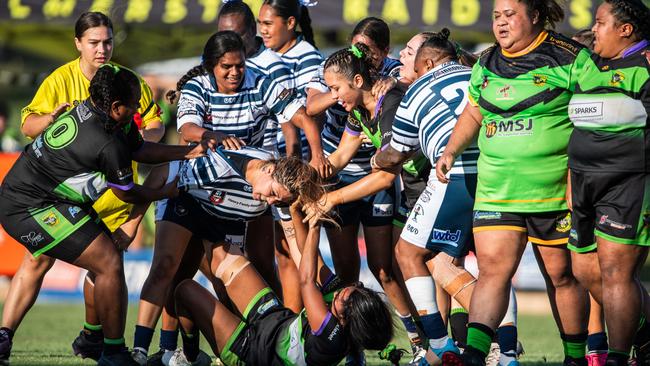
[[64, 282], [475, 15]]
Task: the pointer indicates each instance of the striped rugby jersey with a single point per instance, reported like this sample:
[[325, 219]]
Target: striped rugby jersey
[[268, 63], [244, 114], [217, 181], [336, 117], [429, 111], [303, 61]]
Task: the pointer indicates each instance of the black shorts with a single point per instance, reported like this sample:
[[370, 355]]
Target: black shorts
[[408, 197], [613, 206], [188, 213], [60, 230], [374, 210], [545, 228], [253, 342]]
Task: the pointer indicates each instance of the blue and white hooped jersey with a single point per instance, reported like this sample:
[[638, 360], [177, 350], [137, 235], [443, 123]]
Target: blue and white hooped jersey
[[336, 117], [303, 60], [268, 63], [217, 181], [429, 111], [244, 114]]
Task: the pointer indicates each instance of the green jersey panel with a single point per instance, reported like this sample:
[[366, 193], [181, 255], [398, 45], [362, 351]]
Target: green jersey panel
[[526, 128]]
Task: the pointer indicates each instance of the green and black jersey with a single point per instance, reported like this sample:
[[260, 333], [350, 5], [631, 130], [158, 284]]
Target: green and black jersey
[[609, 111], [525, 129], [74, 160], [380, 128]]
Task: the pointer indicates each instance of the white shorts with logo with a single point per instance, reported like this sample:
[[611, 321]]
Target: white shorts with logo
[[441, 220]]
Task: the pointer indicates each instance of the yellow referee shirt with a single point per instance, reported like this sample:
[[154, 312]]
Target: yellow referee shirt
[[67, 84]]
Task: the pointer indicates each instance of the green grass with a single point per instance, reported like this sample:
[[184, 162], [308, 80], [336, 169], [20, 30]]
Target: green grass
[[46, 333]]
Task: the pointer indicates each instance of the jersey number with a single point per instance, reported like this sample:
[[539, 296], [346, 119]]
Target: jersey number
[[454, 94], [61, 133]]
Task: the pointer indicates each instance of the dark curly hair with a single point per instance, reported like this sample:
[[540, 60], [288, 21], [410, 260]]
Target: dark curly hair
[[368, 320], [633, 12], [217, 45], [111, 84], [349, 62]]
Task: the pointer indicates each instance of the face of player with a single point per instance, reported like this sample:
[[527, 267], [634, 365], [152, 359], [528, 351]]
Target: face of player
[[512, 27], [229, 71], [276, 31], [422, 65], [123, 112], [339, 300], [346, 92], [95, 46], [235, 23], [377, 54], [407, 57], [266, 188], [609, 36]]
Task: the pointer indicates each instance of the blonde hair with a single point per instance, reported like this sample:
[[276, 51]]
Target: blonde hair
[[299, 178]]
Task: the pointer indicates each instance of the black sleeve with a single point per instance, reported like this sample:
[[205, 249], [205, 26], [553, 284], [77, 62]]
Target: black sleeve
[[389, 108], [115, 162], [327, 345]]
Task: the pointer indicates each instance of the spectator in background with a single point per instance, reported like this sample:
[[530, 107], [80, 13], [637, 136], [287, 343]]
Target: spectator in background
[[7, 142]]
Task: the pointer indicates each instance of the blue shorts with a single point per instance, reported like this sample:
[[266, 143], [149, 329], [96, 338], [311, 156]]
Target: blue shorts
[[187, 212], [441, 220], [375, 210]]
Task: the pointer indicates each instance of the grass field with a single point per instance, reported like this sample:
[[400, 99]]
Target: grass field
[[44, 338]]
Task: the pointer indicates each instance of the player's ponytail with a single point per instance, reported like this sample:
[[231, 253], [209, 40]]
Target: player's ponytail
[[440, 43], [355, 60], [217, 45]]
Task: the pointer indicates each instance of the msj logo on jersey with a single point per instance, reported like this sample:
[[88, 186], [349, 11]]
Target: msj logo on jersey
[[508, 128]]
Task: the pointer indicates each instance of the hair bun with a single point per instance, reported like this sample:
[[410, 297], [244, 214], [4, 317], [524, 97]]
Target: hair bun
[[445, 33]]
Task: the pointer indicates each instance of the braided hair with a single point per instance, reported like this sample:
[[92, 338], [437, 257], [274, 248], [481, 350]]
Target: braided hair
[[217, 45], [112, 83], [549, 12], [445, 47], [352, 61], [633, 12], [294, 8]]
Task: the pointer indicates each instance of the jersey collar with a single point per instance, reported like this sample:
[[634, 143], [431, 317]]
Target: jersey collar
[[540, 38]]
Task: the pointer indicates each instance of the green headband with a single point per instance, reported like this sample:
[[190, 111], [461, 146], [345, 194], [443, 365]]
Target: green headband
[[356, 51], [115, 68]]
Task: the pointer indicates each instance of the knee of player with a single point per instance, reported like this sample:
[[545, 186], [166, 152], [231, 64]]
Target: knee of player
[[163, 270], [562, 277]]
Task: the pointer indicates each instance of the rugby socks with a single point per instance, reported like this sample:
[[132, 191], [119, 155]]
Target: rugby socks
[[597, 342], [423, 293], [168, 339], [574, 345], [190, 346], [142, 338], [507, 339], [479, 339], [93, 332], [458, 319], [411, 328], [113, 346]]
